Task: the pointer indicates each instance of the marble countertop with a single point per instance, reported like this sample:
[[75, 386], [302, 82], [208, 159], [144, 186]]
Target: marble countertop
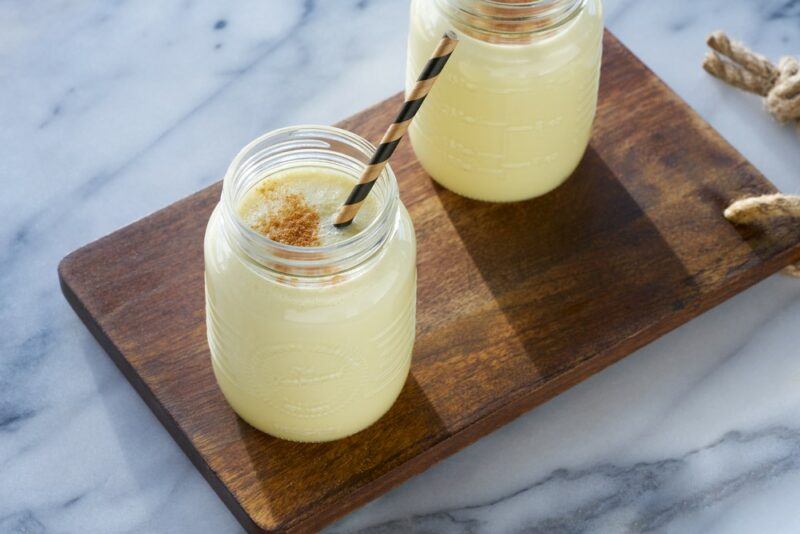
[[110, 110]]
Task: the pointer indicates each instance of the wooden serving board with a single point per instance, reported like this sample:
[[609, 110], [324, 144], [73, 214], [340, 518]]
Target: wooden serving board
[[517, 302]]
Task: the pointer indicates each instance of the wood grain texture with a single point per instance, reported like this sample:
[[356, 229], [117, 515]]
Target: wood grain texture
[[517, 302]]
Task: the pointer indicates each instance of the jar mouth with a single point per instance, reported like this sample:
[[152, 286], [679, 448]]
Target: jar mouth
[[303, 146], [511, 21]]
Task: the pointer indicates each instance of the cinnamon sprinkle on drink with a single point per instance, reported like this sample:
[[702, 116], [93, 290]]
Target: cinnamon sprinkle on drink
[[296, 207], [294, 222]]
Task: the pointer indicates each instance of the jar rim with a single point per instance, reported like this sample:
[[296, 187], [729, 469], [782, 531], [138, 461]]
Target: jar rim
[[319, 260], [511, 21]]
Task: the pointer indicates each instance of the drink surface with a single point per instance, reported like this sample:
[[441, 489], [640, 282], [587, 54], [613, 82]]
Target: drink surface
[[304, 199], [310, 362], [505, 121]]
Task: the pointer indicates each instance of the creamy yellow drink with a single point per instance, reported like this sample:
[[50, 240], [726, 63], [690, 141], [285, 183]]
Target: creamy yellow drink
[[296, 207], [510, 117], [310, 341]]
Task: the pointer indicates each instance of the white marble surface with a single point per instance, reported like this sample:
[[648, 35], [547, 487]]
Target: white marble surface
[[112, 109]]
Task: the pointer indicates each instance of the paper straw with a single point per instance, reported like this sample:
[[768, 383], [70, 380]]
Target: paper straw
[[396, 130]]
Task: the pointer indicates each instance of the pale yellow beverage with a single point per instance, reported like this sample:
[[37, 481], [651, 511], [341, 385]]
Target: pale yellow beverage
[[320, 188], [511, 114], [311, 338]]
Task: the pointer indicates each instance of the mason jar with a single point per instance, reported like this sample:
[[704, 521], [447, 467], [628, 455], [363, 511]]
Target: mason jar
[[511, 114], [310, 343]]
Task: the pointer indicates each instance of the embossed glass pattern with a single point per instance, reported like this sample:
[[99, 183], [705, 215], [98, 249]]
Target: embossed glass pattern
[[310, 344], [511, 115]]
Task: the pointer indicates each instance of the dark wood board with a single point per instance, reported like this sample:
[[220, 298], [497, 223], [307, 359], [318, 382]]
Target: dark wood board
[[517, 302]]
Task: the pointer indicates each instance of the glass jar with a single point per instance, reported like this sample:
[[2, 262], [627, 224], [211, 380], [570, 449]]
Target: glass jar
[[511, 114], [310, 343]]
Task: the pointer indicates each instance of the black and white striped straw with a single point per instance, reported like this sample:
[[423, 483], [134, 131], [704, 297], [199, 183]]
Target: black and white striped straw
[[396, 130]]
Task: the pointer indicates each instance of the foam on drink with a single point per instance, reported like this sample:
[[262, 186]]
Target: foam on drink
[[297, 206]]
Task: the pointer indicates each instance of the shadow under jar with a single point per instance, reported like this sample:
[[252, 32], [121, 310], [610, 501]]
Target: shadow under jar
[[310, 343], [511, 115]]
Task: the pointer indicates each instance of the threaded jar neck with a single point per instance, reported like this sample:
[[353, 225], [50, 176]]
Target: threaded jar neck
[[304, 146], [509, 21]]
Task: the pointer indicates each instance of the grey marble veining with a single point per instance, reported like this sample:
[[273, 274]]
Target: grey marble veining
[[112, 109], [600, 492]]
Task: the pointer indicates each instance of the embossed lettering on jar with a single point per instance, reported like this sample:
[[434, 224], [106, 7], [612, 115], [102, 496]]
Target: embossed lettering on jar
[[511, 115], [310, 343]]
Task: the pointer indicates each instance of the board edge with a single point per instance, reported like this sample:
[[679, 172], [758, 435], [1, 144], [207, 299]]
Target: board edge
[[145, 393], [517, 406]]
